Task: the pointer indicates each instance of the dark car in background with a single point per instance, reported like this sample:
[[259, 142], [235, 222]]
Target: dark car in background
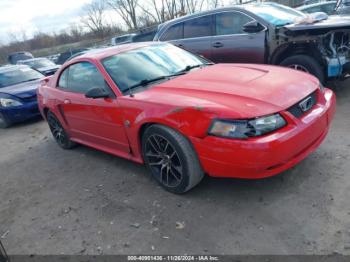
[[264, 33], [15, 57], [18, 100], [325, 7], [122, 39], [43, 65], [146, 34], [328, 7], [63, 57]]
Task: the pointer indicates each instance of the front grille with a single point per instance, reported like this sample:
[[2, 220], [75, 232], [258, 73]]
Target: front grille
[[296, 110]]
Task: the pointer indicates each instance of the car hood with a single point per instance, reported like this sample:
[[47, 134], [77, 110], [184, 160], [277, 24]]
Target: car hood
[[245, 90], [23, 90], [333, 22]]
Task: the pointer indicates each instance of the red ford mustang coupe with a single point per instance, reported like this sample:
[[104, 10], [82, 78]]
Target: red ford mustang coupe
[[182, 116]]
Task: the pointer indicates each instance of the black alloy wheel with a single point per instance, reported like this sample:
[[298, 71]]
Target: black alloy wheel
[[171, 159], [58, 132]]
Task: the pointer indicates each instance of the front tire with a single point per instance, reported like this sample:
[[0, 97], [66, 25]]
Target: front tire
[[4, 123], [305, 64], [171, 159], [58, 132]]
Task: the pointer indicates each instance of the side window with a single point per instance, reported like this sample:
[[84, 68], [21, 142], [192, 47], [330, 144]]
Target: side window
[[63, 81], [174, 32], [314, 9], [198, 27], [230, 23], [82, 77], [328, 9]]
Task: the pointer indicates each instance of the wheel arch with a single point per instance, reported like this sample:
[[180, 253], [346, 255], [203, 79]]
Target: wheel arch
[[151, 122], [174, 125], [288, 50], [189, 121], [45, 112]]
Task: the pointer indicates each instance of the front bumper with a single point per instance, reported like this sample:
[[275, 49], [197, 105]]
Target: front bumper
[[271, 154], [20, 113]]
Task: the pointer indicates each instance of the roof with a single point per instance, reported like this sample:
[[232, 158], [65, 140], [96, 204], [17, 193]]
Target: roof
[[100, 54], [316, 4], [242, 8], [185, 17]]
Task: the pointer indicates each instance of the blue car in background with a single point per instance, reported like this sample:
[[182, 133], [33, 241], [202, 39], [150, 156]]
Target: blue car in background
[[18, 102]]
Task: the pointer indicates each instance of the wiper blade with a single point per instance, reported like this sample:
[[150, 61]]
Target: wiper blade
[[189, 67], [145, 82], [29, 80]]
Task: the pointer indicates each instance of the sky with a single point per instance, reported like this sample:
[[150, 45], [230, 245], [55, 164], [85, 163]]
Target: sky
[[30, 16], [37, 15]]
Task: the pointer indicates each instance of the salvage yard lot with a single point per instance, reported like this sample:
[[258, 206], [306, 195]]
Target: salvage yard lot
[[84, 201]]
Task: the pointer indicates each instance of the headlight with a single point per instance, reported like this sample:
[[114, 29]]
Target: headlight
[[247, 128], [7, 102]]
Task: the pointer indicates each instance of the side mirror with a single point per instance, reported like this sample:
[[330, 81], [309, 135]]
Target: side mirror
[[97, 92], [253, 27]]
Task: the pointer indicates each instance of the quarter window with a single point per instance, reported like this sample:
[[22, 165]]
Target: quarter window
[[174, 32], [81, 77], [230, 23], [63, 82], [198, 27]]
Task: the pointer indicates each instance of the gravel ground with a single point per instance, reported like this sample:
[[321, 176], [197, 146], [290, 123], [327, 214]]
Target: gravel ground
[[87, 202]]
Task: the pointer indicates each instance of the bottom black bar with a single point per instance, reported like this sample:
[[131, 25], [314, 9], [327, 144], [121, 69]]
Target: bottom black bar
[[180, 258]]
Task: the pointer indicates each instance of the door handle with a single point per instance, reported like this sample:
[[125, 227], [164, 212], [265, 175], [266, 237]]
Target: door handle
[[218, 45], [66, 101]]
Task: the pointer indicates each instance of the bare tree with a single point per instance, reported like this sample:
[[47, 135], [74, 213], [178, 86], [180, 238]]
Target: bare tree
[[75, 31], [127, 10], [93, 18], [194, 5], [181, 7], [172, 6], [214, 3], [163, 10], [156, 10]]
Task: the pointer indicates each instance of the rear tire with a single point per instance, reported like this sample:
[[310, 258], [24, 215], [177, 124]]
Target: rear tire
[[58, 132], [171, 159], [4, 123], [306, 64]]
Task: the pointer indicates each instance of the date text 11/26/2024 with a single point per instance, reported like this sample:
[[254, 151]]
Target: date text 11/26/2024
[[173, 258]]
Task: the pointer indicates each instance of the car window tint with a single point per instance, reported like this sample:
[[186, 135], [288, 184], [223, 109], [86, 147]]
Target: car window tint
[[198, 27], [157, 61], [63, 81], [313, 9], [229, 23], [174, 32], [84, 76], [328, 9]]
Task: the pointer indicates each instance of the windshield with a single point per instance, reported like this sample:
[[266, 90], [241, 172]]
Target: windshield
[[38, 63], [18, 75], [275, 14], [152, 62]]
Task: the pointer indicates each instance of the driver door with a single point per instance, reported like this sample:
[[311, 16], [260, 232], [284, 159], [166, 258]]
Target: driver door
[[97, 122], [231, 44]]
